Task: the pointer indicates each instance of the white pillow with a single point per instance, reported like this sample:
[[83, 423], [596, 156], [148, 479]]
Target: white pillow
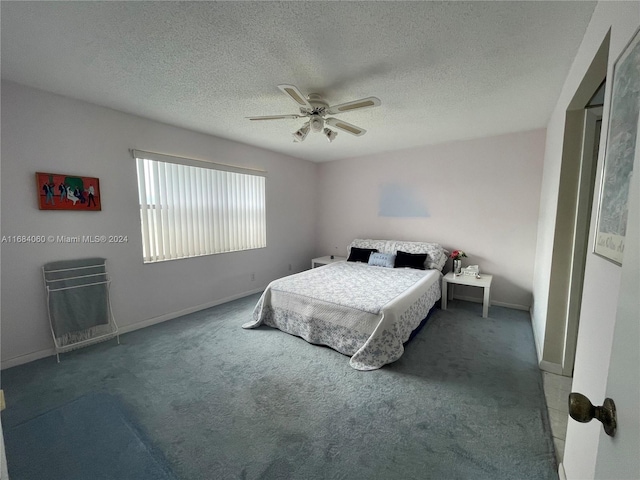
[[379, 245], [436, 254]]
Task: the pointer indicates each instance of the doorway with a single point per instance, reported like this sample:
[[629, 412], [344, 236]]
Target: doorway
[[584, 200], [580, 147]]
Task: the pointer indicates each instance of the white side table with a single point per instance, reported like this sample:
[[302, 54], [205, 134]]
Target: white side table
[[483, 282], [318, 262]]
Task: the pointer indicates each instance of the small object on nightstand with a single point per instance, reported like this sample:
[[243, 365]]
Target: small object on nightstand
[[456, 263], [471, 271]]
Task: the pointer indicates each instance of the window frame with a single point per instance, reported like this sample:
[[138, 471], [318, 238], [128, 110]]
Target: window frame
[[204, 215]]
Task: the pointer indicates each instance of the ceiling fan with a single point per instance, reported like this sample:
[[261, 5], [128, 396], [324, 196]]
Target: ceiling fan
[[316, 109]]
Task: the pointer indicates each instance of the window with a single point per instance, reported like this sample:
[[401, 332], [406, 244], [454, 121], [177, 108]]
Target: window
[[190, 208]]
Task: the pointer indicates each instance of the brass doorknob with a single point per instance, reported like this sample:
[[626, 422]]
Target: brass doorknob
[[582, 410]]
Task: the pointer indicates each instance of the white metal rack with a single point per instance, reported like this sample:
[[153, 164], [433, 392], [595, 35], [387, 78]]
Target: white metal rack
[[78, 303]]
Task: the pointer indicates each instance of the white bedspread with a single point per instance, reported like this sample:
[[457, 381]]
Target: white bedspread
[[359, 310]]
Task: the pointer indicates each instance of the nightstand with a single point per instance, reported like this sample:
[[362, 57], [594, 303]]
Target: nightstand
[[318, 262], [483, 282]]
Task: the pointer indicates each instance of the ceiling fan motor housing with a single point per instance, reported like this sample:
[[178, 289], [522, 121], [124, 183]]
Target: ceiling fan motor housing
[[317, 103]]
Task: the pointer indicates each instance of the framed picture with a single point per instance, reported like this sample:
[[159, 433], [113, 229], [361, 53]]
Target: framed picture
[[611, 224], [67, 192]]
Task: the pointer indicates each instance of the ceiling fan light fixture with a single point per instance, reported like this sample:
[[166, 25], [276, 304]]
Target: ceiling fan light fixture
[[301, 134], [316, 123], [330, 134]]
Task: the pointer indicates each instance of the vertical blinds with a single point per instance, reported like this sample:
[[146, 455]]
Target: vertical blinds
[[188, 210]]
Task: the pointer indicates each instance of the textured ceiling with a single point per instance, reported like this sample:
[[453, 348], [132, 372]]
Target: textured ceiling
[[443, 70]]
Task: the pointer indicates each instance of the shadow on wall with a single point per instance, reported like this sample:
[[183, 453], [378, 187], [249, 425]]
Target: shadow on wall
[[512, 290], [509, 288]]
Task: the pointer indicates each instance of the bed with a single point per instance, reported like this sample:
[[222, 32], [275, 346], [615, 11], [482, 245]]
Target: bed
[[360, 309]]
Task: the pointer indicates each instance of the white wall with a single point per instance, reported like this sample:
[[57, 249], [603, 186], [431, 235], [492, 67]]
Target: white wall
[[50, 133], [602, 278], [482, 196]]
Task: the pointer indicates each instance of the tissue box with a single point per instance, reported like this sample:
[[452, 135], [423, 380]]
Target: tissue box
[[471, 271]]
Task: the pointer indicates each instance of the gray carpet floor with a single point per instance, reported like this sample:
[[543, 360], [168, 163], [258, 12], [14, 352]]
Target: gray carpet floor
[[465, 401]]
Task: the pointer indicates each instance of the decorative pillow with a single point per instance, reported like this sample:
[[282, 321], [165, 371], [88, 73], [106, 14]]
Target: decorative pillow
[[382, 260], [436, 255], [360, 254], [410, 260]]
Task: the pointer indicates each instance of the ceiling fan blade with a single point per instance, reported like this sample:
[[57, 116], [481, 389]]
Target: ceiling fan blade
[[274, 117], [355, 105], [345, 127], [292, 92]]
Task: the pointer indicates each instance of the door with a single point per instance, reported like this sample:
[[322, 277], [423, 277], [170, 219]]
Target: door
[[618, 457]]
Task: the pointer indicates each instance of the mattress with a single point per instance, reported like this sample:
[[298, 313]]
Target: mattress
[[359, 310]]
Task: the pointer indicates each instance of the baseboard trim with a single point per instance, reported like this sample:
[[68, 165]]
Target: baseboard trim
[[535, 338], [561, 473], [550, 367], [515, 306], [32, 357], [27, 358], [170, 316]]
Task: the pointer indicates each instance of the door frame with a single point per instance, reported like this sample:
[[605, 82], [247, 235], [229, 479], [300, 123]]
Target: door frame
[[557, 353], [582, 223]]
